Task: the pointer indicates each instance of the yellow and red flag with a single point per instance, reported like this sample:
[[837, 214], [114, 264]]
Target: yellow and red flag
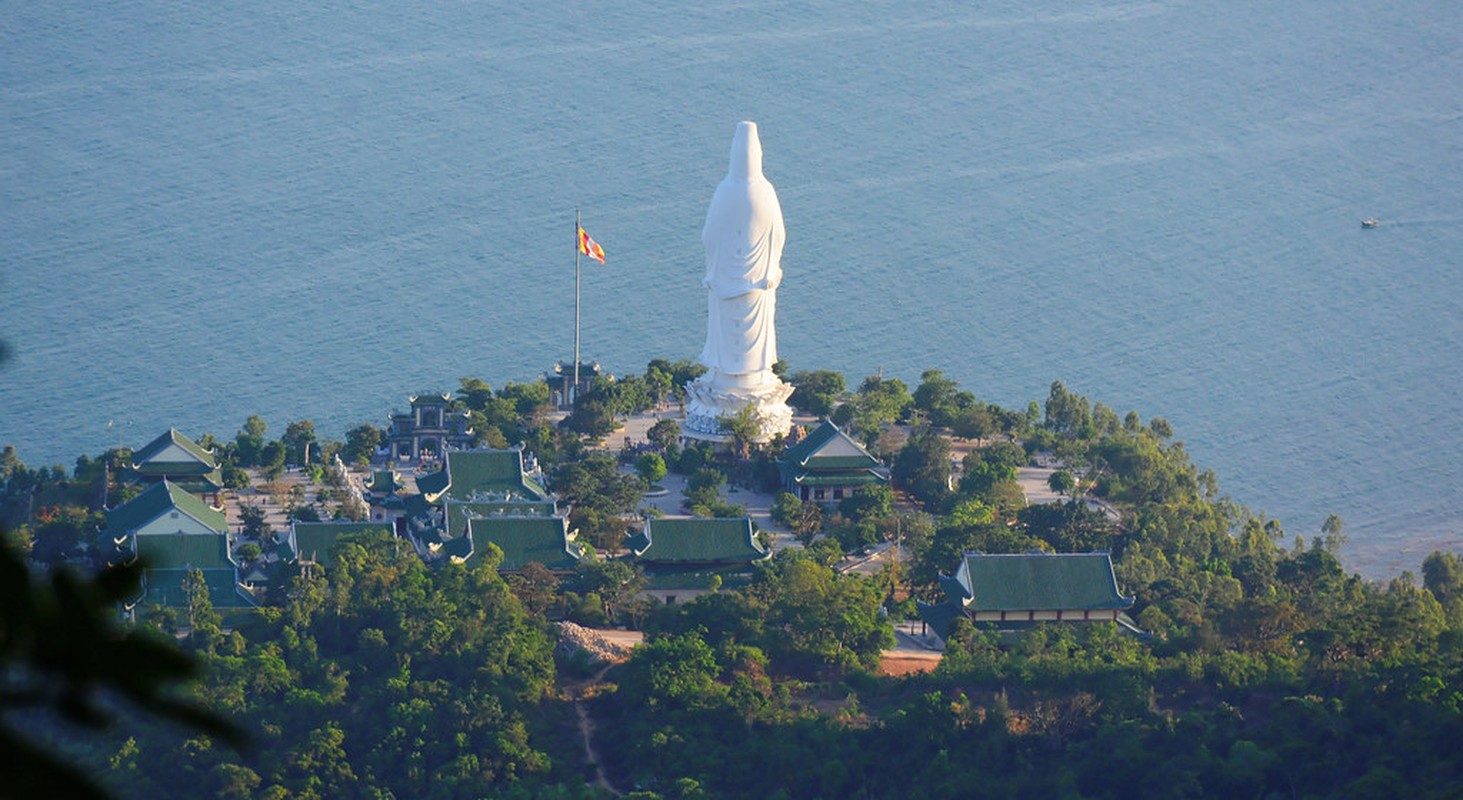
[[590, 247]]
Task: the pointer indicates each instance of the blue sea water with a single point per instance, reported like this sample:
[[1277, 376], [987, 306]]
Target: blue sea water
[[209, 210]]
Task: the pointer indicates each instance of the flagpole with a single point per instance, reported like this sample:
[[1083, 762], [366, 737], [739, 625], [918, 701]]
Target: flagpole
[[578, 224]]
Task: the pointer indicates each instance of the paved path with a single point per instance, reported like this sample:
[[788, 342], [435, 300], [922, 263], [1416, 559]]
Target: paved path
[[633, 431]]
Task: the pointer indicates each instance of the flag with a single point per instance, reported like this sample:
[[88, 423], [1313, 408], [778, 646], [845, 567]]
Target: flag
[[590, 247]]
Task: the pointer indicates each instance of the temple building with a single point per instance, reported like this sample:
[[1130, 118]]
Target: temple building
[[827, 465], [472, 484], [686, 558], [1011, 592], [176, 458], [544, 540], [311, 542], [173, 532], [562, 389], [428, 430], [485, 475]]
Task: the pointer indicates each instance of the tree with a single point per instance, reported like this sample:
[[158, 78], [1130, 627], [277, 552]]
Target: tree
[[1061, 481], [254, 525], [615, 581], [299, 442], [873, 501], [816, 392], [272, 458], [934, 393], [704, 487], [1067, 412], [204, 624], [923, 467], [803, 517], [879, 402], [599, 495], [674, 673], [651, 467], [235, 477], [61, 644], [360, 444], [1333, 535], [1442, 574], [250, 441], [664, 434], [744, 427], [535, 586], [827, 621]]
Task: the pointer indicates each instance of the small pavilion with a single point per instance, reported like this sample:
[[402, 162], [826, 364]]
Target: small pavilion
[[176, 458], [430, 428], [827, 465]]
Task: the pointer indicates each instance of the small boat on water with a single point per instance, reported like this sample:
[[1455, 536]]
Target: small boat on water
[[1370, 222]]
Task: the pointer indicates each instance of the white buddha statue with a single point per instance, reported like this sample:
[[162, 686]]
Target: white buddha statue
[[743, 237]]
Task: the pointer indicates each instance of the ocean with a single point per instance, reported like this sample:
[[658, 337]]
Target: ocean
[[211, 210]]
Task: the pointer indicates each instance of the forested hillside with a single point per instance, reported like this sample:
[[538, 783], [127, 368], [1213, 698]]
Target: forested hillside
[[1267, 670]]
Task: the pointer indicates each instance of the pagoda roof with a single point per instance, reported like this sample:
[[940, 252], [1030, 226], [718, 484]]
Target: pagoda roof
[[433, 483], [313, 541], [183, 551], [848, 478], [939, 616], [429, 399], [165, 587], [469, 474], [828, 447], [1036, 582], [457, 512], [179, 459], [698, 540], [526, 540], [385, 481], [180, 452], [159, 499]]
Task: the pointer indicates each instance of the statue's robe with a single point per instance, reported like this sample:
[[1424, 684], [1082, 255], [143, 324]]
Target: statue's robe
[[743, 236]]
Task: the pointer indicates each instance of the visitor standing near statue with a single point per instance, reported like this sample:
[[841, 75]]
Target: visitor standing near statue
[[743, 237]]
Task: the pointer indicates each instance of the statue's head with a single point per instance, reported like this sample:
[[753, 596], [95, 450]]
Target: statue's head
[[746, 152]]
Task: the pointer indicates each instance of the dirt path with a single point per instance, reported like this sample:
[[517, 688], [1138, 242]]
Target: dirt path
[[578, 693]]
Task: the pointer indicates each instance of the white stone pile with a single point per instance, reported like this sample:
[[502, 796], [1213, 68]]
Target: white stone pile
[[579, 638]]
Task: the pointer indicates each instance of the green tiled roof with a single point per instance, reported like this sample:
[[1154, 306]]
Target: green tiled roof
[[940, 616], [526, 540], [165, 587], [200, 484], [458, 513], [1039, 581], [183, 550], [384, 481], [202, 460], [315, 540], [698, 540], [828, 447], [858, 478], [830, 457], [472, 473], [432, 483], [159, 499]]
